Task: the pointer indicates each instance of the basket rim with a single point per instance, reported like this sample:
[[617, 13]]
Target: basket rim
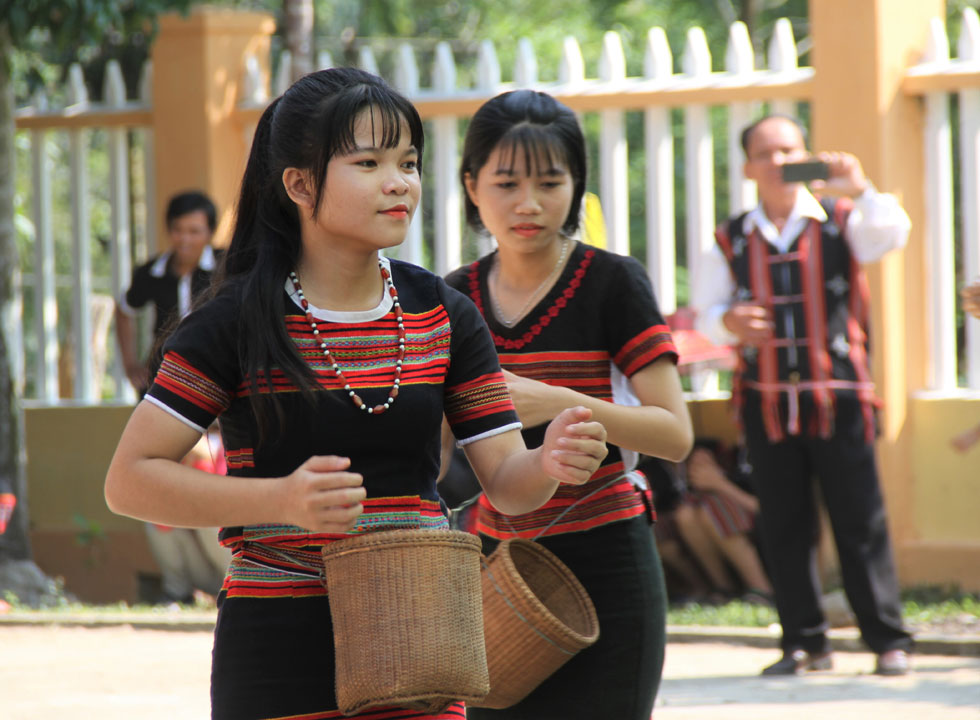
[[432, 699], [545, 615], [401, 537]]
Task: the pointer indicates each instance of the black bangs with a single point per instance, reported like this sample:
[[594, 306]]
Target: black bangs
[[533, 146], [386, 120], [338, 115]]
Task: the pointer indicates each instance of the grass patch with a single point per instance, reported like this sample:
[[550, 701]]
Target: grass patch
[[922, 606], [732, 614], [933, 605]]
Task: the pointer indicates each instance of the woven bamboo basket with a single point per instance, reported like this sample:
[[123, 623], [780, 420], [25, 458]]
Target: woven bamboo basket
[[536, 617], [407, 619]]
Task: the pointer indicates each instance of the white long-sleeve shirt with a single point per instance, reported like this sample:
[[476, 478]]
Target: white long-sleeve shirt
[[877, 225]]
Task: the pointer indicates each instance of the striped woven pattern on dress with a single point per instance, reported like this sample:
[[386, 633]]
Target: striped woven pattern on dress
[[367, 351], [644, 349], [240, 458], [284, 560], [481, 396], [584, 371], [569, 510], [180, 378]]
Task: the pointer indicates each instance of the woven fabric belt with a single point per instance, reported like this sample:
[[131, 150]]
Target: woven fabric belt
[[302, 563]]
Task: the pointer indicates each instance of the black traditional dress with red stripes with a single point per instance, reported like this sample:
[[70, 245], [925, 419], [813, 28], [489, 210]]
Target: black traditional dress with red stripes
[[807, 406], [597, 326], [273, 652]]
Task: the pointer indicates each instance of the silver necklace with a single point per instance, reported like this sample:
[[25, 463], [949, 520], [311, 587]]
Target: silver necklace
[[510, 322]]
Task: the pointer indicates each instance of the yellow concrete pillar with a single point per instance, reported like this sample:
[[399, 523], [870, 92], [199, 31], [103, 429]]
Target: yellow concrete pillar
[[861, 51], [198, 67]]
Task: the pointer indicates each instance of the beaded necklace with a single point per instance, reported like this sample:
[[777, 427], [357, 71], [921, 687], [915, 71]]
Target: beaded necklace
[[358, 402]]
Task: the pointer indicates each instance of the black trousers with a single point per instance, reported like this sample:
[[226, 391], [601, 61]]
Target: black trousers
[[783, 474], [619, 675]]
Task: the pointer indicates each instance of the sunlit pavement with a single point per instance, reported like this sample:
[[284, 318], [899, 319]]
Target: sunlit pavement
[[721, 681], [120, 673]]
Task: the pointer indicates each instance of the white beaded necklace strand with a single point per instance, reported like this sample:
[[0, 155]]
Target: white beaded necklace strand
[[509, 323], [355, 398]]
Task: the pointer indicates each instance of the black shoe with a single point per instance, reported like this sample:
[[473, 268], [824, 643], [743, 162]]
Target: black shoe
[[798, 662], [892, 662]]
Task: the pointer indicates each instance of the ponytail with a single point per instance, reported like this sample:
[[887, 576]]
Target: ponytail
[[256, 184], [264, 248]]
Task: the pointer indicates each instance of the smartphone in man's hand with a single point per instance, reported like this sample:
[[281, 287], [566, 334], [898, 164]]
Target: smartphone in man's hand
[[806, 171]]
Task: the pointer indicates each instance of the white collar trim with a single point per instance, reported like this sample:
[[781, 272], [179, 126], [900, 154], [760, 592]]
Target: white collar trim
[[358, 316], [807, 207], [206, 262]]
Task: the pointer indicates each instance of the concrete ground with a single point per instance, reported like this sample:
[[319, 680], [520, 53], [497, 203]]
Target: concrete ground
[[119, 672], [721, 682]]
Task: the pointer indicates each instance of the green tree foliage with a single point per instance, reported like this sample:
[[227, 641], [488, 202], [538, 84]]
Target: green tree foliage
[[342, 24]]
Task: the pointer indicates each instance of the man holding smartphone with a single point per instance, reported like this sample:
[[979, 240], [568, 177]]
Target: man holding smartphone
[[784, 283]]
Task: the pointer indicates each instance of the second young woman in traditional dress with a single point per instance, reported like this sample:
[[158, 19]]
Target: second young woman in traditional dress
[[573, 324]]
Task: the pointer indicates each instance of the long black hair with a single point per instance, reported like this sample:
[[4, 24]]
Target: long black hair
[[304, 128], [537, 125]]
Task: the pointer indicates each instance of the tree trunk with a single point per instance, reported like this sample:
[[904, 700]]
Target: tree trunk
[[18, 573], [299, 35]]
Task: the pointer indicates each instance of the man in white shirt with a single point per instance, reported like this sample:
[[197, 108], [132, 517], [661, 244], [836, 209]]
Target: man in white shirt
[[784, 283]]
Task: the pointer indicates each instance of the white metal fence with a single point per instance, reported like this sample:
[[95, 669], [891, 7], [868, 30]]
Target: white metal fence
[[710, 107]]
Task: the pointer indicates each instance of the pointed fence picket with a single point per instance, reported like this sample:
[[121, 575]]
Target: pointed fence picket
[[44, 280], [968, 52], [658, 138], [613, 157], [81, 245], [739, 61], [939, 217], [121, 251]]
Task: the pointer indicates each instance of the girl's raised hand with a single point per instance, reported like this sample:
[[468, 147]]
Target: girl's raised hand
[[321, 496], [573, 447]]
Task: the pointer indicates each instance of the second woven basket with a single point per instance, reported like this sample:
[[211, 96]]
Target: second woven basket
[[536, 617]]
